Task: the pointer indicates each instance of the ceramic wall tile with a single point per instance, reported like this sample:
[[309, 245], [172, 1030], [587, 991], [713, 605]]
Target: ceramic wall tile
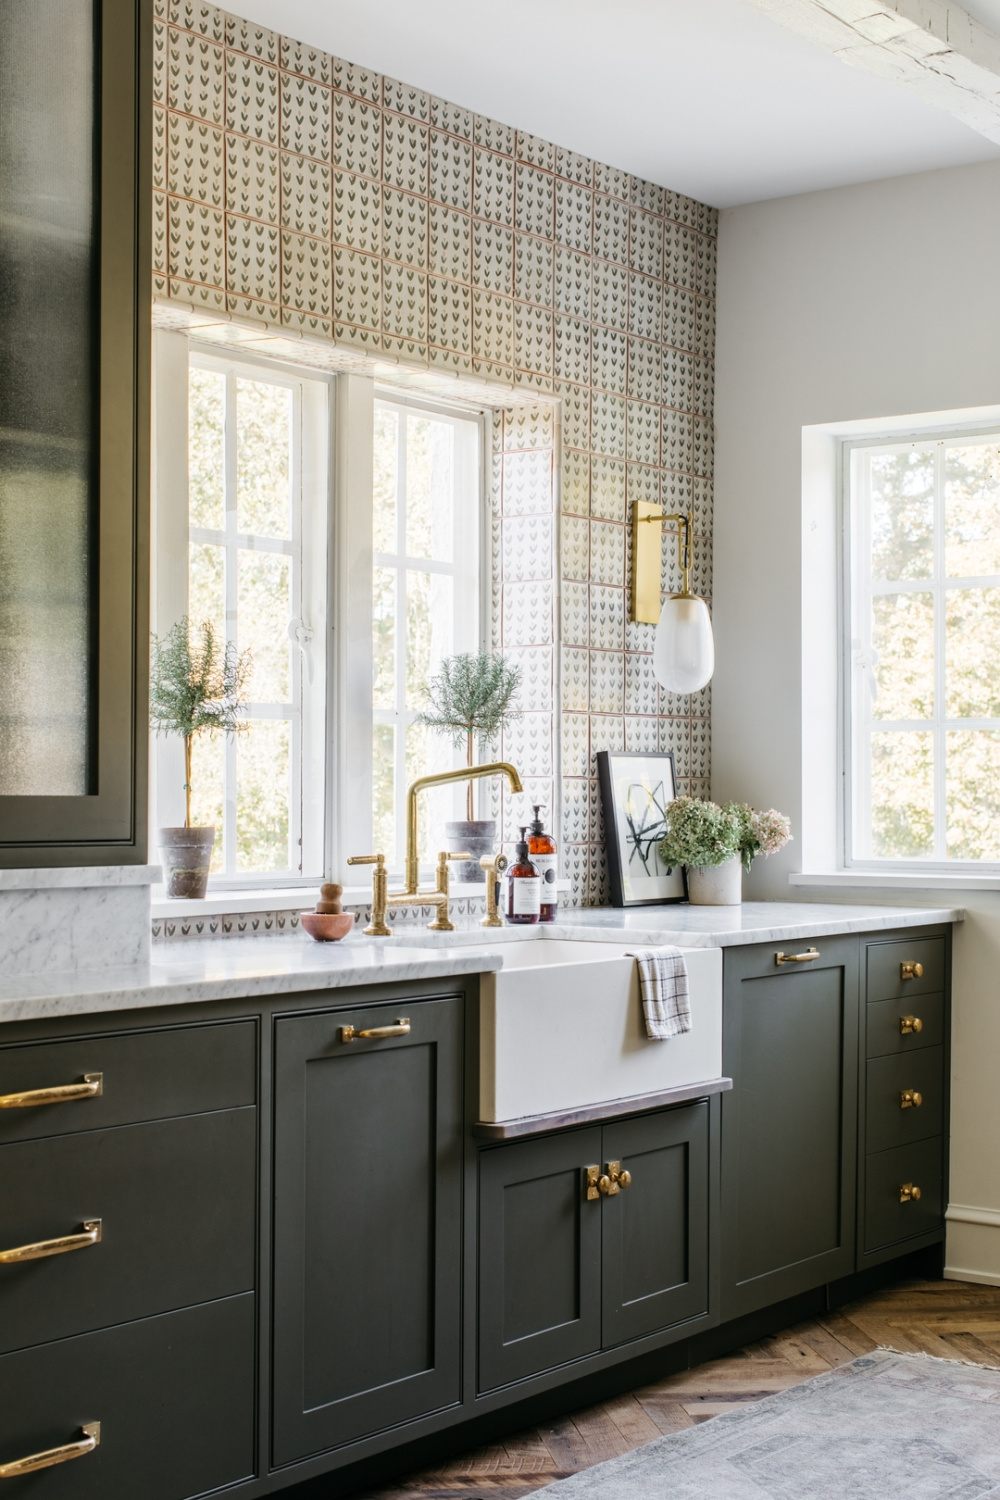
[[357, 213], [459, 244], [252, 97], [404, 228], [534, 201], [306, 195], [451, 171], [196, 76], [404, 100], [450, 243]]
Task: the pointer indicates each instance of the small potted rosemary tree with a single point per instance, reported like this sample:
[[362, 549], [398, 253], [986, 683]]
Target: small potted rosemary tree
[[197, 686], [717, 843], [471, 699]]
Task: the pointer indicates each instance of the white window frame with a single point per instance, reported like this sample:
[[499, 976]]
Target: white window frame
[[467, 559], [857, 591], [312, 407]]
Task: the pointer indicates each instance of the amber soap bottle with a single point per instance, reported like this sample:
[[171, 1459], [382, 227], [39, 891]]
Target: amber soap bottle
[[542, 853], [524, 889]]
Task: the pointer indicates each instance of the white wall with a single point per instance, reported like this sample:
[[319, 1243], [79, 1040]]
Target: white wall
[[860, 302]]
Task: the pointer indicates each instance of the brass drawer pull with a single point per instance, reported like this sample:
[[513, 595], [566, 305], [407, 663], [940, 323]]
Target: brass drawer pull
[[910, 1099], [89, 1235], [909, 1193], [797, 958], [375, 1033], [910, 969], [91, 1087], [591, 1178], [908, 1024], [52, 1456], [615, 1179]]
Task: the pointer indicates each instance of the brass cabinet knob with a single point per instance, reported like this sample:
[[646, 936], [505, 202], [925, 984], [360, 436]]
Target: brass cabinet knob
[[910, 969], [591, 1177], [910, 1099], [910, 1023], [614, 1179], [909, 1193]]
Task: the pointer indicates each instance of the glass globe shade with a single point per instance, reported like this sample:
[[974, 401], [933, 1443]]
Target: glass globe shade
[[683, 649]]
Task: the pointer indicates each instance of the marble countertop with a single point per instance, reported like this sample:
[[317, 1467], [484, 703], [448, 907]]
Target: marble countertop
[[232, 969], [241, 968]]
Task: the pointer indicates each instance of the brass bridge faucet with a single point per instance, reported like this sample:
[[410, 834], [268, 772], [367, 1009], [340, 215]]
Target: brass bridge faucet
[[382, 898]]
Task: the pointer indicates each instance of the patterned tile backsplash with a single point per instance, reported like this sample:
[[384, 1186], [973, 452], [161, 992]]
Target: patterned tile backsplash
[[352, 219]]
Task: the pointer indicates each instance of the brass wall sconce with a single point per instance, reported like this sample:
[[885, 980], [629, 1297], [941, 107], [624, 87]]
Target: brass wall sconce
[[683, 648]]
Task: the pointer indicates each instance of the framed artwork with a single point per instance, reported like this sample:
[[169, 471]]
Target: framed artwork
[[636, 790]]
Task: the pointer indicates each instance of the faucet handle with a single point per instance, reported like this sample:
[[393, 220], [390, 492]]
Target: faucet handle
[[367, 859], [446, 855]]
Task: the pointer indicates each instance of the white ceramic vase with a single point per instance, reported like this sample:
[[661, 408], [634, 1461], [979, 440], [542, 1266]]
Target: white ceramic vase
[[716, 885]]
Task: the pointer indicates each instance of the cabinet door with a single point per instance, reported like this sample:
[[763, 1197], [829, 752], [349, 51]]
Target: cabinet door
[[539, 1256], [789, 1127], [655, 1231], [367, 1223]]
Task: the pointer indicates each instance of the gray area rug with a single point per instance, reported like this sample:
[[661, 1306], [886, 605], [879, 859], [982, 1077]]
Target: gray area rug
[[886, 1427]]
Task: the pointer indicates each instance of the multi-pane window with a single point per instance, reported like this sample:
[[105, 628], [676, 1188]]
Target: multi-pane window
[[924, 611], [426, 538], [252, 574]]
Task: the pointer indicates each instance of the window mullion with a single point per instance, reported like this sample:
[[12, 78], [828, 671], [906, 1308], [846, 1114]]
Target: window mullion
[[231, 566], [940, 622]]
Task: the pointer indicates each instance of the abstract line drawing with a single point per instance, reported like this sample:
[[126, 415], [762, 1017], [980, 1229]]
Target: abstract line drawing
[[646, 825]]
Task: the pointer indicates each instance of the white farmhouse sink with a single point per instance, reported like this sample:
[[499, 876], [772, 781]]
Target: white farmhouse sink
[[562, 1028]]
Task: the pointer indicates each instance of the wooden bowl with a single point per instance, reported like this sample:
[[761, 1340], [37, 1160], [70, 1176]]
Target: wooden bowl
[[327, 927]]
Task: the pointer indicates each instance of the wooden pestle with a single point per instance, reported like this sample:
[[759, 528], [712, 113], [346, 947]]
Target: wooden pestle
[[329, 899]]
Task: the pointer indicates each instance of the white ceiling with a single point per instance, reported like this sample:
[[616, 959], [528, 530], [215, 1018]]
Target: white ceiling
[[708, 97]]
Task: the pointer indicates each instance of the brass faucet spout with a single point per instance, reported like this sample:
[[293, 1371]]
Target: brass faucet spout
[[465, 773]]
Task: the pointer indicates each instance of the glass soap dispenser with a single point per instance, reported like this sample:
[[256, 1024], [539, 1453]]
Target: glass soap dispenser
[[524, 888], [542, 853]]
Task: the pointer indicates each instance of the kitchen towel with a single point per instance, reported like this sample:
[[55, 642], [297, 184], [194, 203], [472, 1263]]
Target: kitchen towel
[[663, 980]]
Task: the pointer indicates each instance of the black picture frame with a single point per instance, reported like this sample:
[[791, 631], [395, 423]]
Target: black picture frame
[[630, 834]]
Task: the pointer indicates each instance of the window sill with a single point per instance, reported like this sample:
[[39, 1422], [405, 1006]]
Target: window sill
[[870, 880]]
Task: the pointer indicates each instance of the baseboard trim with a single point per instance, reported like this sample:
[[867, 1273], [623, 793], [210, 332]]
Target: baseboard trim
[[964, 1213], [984, 1278]]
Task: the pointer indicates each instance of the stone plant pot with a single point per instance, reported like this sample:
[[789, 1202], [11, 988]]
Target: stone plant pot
[[716, 885], [187, 854], [475, 839]]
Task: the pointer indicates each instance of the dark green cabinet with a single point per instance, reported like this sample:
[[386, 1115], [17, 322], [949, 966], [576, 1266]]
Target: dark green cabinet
[[565, 1269], [789, 1132], [655, 1235], [367, 1222]]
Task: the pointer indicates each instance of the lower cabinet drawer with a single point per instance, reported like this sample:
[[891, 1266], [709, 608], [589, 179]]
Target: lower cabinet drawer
[[892, 1213], [905, 1098], [174, 1397], [175, 1201], [905, 967], [906, 1025]]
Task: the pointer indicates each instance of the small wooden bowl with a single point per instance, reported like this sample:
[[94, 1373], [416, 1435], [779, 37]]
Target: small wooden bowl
[[326, 927]]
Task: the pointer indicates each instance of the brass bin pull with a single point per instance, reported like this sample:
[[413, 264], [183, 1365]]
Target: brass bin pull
[[908, 1024], [52, 1456], [797, 958], [910, 1099], [89, 1235], [376, 1033], [909, 1193], [615, 1179], [910, 969], [91, 1088]]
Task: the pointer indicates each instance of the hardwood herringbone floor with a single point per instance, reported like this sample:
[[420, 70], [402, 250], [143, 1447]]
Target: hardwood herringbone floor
[[955, 1320]]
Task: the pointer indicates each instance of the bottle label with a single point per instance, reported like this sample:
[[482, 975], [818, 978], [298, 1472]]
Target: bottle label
[[547, 867], [527, 890]]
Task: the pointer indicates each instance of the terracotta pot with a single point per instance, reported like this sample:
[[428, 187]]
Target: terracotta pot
[[187, 855], [476, 839], [716, 885]]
